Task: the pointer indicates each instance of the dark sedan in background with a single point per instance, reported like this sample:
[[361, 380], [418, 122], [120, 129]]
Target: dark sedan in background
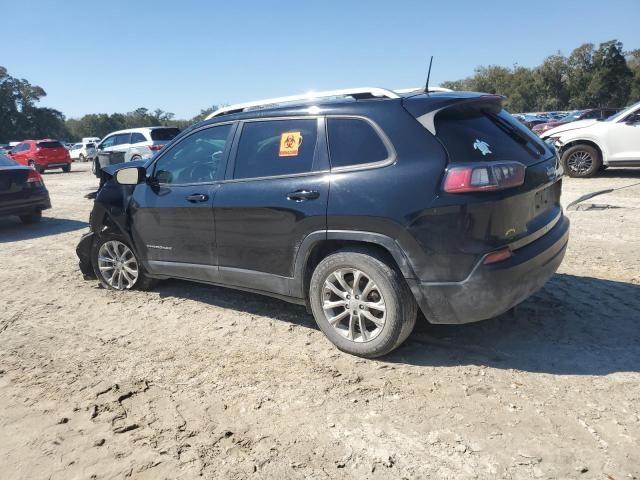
[[22, 191]]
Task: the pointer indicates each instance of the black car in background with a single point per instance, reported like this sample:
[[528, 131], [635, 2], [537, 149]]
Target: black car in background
[[365, 206], [22, 191]]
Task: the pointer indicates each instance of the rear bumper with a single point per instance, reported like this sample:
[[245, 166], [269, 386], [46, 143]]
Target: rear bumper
[[25, 206], [493, 289]]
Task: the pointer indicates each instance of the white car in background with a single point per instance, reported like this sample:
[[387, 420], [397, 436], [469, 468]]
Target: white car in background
[[134, 144], [589, 146], [82, 152]]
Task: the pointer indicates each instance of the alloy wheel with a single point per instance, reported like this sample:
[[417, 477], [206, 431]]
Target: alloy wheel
[[580, 162], [353, 305], [118, 265]]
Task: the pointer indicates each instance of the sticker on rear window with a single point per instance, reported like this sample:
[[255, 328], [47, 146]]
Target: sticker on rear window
[[290, 144]]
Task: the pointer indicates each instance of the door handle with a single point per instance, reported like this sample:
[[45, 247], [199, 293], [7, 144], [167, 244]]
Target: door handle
[[197, 197], [302, 195]]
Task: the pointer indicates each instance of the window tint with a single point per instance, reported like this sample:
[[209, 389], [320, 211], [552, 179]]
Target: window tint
[[108, 142], [137, 137], [6, 161], [353, 141], [22, 147], [164, 134], [122, 139], [196, 158], [276, 147], [52, 144], [485, 132]]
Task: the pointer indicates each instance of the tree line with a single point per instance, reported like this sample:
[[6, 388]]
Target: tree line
[[589, 77], [603, 76]]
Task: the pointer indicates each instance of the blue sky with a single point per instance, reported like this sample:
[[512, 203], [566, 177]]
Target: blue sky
[[185, 55]]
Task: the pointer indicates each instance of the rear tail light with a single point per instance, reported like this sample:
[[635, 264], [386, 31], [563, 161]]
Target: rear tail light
[[155, 148], [480, 177], [498, 256], [34, 178]]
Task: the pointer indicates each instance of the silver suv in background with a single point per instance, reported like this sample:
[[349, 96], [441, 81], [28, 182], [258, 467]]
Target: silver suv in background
[[133, 143]]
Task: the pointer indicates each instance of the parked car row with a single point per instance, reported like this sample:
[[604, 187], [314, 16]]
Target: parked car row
[[543, 121]]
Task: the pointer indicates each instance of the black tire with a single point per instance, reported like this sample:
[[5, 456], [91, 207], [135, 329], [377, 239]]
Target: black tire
[[95, 167], [40, 169], [581, 161], [31, 218], [401, 307], [82, 158], [143, 282], [135, 158], [66, 168], [31, 164]]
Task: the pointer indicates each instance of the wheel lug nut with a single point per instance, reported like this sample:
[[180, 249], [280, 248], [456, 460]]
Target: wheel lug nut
[[361, 307], [357, 297], [348, 297]]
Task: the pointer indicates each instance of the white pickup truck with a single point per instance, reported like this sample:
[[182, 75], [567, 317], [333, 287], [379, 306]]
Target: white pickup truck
[[589, 146]]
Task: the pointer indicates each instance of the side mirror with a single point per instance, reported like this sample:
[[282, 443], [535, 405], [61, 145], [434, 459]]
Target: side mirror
[[130, 176]]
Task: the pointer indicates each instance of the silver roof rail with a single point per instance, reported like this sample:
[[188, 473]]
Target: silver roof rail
[[363, 92], [431, 89]]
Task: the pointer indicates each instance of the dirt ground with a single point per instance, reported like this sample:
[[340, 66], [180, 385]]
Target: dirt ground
[[189, 380]]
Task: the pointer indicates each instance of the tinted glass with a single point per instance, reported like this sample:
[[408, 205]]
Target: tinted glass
[[122, 139], [52, 144], [590, 115], [354, 141], [137, 138], [6, 161], [196, 158], [164, 134], [108, 142], [485, 132], [276, 147]]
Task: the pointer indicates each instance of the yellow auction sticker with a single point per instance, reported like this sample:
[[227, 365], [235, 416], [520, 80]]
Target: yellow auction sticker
[[290, 144]]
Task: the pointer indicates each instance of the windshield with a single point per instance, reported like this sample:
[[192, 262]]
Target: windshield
[[623, 113]]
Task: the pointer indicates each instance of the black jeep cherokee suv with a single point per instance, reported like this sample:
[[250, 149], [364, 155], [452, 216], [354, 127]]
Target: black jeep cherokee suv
[[363, 207]]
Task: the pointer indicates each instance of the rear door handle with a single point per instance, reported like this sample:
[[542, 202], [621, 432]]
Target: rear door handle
[[302, 195], [197, 197]]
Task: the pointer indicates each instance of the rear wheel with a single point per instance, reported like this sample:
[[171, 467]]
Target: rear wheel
[[581, 161], [136, 158], [362, 303], [116, 265], [31, 218], [31, 163], [82, 158], [66, 168]]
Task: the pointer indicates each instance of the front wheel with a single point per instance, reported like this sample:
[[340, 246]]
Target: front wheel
[[362, 303], [116, 265], [581, 161], [82, 158]]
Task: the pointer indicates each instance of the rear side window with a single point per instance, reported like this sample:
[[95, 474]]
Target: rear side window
[[276, 147], [164, 134], [122, 139], [353, 141], [137, 138], [485, 133], [51, 144]]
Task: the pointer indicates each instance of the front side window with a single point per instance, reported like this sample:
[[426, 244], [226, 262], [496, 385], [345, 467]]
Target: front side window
[[108, 142], [122, 139], [276, 147], [353, 141], [195, 159]]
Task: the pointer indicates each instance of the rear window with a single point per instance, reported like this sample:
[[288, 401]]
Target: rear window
[[485, 132], [49, 144], [353, 141], [164, 134], [6, 161]]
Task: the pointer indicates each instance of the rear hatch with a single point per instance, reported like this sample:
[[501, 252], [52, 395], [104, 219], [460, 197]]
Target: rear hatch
[[478, 130], [13, 180], [51, 151]]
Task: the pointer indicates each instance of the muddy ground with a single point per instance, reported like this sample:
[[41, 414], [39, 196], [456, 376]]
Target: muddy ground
[[189, 380]]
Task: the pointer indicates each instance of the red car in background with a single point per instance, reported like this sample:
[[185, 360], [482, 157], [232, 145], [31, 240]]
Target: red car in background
[[42, 154], [591, 113]]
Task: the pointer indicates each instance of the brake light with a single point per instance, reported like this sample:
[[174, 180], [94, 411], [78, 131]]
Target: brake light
[[498, 256], [155, 148], [34, 177], [479, 177]]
